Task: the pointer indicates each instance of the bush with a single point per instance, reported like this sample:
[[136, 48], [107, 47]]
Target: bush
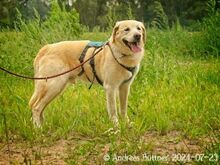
[[63, 25], [160, 19], [30, 36], [211, 31]]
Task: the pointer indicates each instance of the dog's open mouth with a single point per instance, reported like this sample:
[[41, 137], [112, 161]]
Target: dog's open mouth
[[134, 46]]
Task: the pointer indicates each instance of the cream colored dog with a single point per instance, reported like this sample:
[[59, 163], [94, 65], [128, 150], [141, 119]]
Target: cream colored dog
[[115, 67]]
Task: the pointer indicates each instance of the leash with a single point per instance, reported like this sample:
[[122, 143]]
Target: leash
[[53, 76]]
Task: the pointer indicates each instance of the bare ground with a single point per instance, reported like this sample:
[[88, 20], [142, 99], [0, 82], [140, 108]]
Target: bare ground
[[61, 150]]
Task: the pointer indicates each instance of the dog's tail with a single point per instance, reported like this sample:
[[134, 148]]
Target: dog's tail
[[39, 93], [40, 54], [33, 99]]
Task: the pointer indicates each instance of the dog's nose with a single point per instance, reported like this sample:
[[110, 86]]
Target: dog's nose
[[137, 37]]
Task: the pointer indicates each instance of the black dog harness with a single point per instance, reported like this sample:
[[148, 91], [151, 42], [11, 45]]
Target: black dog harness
[[97, 45], [130, 69]]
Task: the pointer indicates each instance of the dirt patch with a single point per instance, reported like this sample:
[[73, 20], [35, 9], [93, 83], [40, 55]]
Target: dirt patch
[[173, 142], [176, 147], [61, 150], [21, 153]]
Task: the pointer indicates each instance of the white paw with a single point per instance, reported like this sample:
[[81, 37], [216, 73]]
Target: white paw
[[115, 122], [130, 124], [36, 122], [112, 131]]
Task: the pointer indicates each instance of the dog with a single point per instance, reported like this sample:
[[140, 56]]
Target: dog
[[115, 67]]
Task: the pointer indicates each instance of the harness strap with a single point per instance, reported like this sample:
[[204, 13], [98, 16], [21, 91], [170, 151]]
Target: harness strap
[[130, 69], [97, 45], [83, 54], [94, 45], [92, 64]]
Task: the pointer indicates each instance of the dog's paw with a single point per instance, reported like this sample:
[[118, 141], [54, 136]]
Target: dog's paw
[[130, 124], [36, 122], [115, 122], [112, 131]]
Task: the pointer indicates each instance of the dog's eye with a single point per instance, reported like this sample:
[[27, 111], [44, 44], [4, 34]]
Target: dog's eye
[[127, 29], [138, 28]]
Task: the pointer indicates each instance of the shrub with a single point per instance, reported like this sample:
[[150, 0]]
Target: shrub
[[62, 24], [30, 36], [211, 29], [160, 18]]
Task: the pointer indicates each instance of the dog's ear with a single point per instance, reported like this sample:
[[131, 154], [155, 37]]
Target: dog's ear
[[115, 31], [144, 32]]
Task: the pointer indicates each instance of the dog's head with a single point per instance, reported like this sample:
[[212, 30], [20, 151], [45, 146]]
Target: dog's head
[[129, 36]]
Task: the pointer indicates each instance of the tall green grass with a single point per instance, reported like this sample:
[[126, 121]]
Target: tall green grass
[[177, 89]]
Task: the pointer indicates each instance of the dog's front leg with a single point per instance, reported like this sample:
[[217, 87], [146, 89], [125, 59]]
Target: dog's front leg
[[111, 103], [123, 98]]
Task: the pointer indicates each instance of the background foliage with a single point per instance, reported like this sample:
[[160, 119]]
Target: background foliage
[[95, 12], [100, 15]]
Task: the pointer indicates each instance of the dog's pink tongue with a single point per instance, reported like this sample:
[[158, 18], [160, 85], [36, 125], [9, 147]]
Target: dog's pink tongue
[[135, 48]]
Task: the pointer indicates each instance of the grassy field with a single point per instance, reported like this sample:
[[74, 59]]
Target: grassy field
[[174, 104]]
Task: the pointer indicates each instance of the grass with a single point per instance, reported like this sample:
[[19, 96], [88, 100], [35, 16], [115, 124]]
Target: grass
[[174, 103]]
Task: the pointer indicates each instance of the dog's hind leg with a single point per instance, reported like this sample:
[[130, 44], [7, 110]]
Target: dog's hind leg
[[44, 93]]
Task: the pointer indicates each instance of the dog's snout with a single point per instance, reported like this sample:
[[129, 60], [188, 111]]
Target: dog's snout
[[137, 37]]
